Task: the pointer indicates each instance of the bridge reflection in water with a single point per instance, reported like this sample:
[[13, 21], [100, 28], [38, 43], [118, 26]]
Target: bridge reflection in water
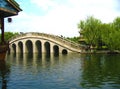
[[37, 59]]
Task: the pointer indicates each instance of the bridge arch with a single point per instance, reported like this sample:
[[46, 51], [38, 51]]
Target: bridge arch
[[38, 44], [47, 48], [20, 47], [56, 50], [29, 46], [14, 48], [64, 51]]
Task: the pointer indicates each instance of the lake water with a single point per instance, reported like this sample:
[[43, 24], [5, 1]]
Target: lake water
[[71, 71]]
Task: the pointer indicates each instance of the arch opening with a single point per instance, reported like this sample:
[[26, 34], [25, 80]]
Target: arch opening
[[14, 48], [20, 47], [39, 47], [56, 50], [29, 46], [47, 48], [64, 51]]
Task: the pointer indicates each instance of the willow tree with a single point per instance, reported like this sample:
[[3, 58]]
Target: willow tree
[[116, 23], [111, 35], [95, 32], [107, 35], [90, 29]]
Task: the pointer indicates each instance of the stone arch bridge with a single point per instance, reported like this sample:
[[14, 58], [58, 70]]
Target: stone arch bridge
[[42, 43]]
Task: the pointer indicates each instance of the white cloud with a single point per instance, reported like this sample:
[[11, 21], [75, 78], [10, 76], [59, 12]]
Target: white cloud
[[44, 4], [63, 19]]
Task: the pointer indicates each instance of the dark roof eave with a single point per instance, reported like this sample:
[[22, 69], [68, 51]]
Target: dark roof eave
[[6, 13], [15, 5]]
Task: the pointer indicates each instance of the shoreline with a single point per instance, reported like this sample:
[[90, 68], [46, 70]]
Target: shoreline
[[101, 52]]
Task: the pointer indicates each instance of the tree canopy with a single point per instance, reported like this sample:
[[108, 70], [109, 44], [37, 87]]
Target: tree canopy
[[98, 34], [90, 30]]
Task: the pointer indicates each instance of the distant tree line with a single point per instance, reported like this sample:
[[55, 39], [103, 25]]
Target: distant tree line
[[101, 35], [74, 39], [8, 35]]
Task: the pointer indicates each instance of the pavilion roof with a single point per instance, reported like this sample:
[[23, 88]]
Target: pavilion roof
[[9, 8]]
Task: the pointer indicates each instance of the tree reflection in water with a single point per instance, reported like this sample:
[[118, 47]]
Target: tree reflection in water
[[101, 70], [4, 74]]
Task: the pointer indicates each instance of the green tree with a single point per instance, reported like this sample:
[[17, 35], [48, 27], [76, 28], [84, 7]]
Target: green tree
[[110, 36], [97, 33], [116, 23], [90, 29], [8, 35], [74, 39]]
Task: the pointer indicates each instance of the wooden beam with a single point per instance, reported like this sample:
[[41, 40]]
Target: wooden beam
[[2, 30]]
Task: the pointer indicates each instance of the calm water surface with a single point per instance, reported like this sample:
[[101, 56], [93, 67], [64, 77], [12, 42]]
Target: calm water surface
[[73, 71]]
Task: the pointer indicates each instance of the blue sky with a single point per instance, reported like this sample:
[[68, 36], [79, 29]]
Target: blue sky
[[60, 17]]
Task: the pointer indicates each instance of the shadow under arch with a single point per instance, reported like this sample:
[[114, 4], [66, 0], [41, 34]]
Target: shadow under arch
[[29, 47], [14, 48], [20, 47], [38, 47], [64, 51], [47, 48], [56, 50]]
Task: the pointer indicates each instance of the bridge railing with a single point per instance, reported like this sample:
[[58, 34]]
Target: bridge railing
[[58, 38]]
